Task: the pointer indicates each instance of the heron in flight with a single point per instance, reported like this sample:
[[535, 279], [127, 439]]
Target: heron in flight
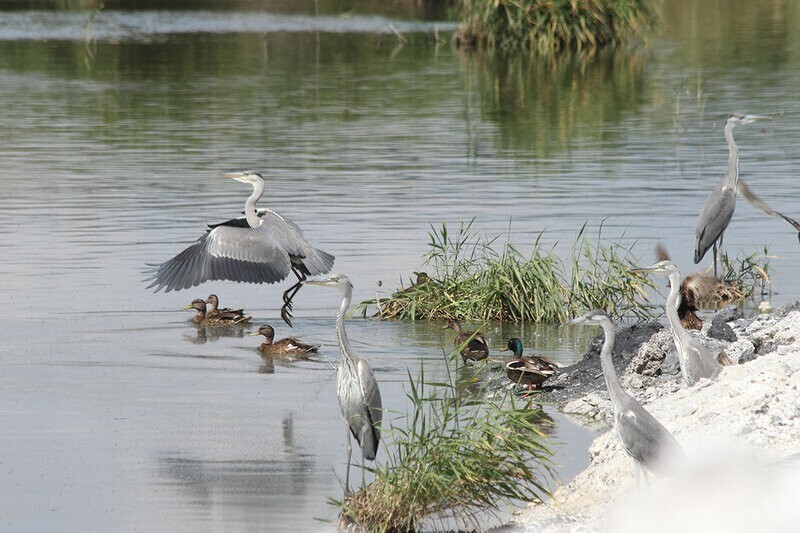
[[719, 206], [695, 360], [356, 387], [643, 437], [261, 247]]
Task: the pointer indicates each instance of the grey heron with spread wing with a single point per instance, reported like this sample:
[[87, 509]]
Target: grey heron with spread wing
[[695, 360], [719, 206], [643, 437], [262, 247], [356, 387]]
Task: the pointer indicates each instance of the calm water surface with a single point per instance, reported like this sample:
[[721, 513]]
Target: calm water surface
[[120, 412]]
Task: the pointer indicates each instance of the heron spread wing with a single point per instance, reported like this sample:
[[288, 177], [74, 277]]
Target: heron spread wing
[[235, 252], [714, 218]]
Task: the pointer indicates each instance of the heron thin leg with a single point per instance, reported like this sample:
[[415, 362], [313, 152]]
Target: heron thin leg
[[714, 248], [286, 310], [349, 457]]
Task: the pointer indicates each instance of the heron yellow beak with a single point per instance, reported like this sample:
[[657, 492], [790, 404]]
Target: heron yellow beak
[[232, 175]]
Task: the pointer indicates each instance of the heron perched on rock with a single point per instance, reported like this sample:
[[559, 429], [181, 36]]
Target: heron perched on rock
[[694, 358], [356, 387], [644, 438], [287, 347], [472, 345], [219, 319], [262, 247], [530, 371], [719, 206]]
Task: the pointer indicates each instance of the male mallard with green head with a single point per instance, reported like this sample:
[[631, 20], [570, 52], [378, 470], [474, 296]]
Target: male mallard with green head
[[531, 371]]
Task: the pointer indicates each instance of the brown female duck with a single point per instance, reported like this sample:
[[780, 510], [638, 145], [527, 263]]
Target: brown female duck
[[529, 371], [288, 346], [213, 301], [220, 319], [473, 345]]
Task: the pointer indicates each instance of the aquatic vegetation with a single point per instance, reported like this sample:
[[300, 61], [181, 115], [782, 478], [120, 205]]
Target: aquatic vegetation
[[554, 26], [469, 280], [744, 277], [452, 458]]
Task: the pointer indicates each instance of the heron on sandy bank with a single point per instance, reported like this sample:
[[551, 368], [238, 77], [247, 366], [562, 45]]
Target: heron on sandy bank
[[645, 439]]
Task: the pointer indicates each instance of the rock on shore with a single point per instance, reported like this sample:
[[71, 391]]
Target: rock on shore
[[741, 435]]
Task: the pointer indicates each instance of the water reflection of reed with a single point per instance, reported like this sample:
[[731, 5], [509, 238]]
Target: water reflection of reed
[[546, 103]]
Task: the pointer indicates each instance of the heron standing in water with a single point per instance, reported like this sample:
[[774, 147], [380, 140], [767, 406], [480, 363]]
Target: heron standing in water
[[643, 437], [694, 358], [719, 206], [356, 387], [262, 247]]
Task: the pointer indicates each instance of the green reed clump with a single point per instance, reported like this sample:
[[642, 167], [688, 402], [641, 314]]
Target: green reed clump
[[450, 458], [746, 276], [468, 280], [551, 26], [603, 278]]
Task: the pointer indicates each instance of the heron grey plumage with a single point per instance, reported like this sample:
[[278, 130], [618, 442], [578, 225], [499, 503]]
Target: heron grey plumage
[[356, 386], [721, 202], [642, 436], [695, 360], [262, 247]]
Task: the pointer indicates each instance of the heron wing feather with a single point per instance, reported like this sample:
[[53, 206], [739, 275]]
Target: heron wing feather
[[645, 438], [714, 218]]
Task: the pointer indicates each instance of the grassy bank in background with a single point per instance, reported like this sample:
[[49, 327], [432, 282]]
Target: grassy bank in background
[[548, 26], [467, 279]]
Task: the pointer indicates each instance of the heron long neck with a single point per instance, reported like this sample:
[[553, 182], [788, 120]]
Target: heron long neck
[[341, 334], [679, 333], [250, 205], [612, 382], [732, 173]]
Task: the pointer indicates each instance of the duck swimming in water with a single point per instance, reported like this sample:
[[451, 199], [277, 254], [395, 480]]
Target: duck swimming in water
[[530, 371], [473, 345], [221, 319], [213, 301], [288, 346]]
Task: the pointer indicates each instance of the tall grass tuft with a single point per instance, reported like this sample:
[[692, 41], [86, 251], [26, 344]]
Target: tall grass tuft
[[550, 26], [469, 280], [451, 458]]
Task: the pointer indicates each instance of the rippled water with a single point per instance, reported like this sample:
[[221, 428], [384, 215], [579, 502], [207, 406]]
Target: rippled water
[[120, 412]]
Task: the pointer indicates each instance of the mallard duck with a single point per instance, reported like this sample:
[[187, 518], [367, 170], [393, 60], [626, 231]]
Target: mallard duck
[[473, 345], [288, 346], [203, 318], [530, 371], [213, 301]]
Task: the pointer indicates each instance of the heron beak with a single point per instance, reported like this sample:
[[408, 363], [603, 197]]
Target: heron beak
[[752, 118], [321, 282], [576, 320], [233, 175]]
